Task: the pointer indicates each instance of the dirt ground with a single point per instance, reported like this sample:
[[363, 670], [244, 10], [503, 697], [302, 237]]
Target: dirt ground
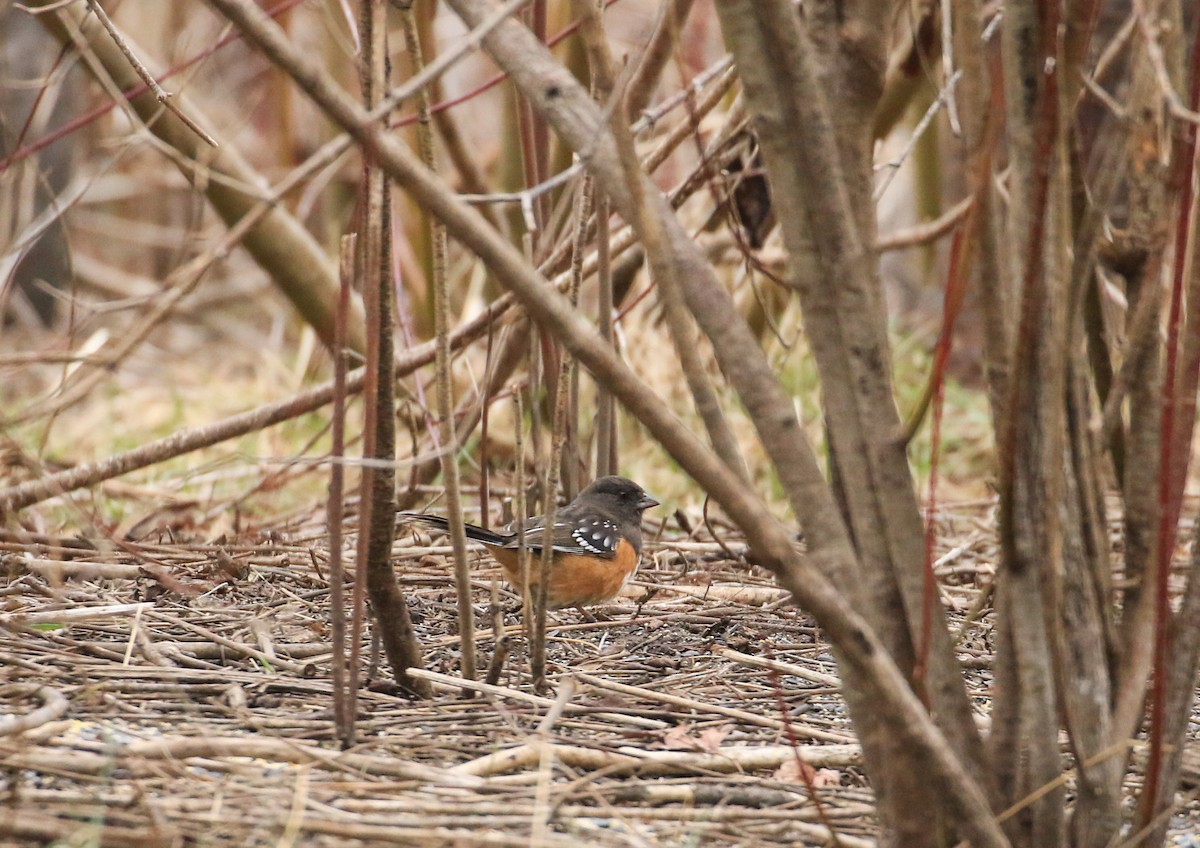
[[165, 692]]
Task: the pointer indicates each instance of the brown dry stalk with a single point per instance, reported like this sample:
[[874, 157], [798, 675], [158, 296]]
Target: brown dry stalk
[[471, 170], [561, 430], [344, 701], [24, 824], [520, 511], [1185, 659], [377, 502], [445, 389], [658, 763], [246, 650], [55, 571], [791, 669], [1030, 438], [607, 459]]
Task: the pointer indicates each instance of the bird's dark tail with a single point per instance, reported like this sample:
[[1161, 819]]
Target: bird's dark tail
[[473, 531]]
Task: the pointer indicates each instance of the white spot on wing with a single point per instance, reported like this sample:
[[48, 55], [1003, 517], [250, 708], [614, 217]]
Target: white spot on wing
[[596, 536], [580, 535]]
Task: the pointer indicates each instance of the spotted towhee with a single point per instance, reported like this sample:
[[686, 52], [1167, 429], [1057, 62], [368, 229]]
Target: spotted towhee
[[596, 543]]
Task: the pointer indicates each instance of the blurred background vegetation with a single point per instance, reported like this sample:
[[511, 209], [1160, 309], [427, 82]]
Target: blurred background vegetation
[[120, 220]]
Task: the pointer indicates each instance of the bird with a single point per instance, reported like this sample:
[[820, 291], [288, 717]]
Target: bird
[[596, 543]]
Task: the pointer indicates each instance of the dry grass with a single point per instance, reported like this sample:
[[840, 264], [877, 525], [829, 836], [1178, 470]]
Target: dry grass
[[198, 703], [276, 602]]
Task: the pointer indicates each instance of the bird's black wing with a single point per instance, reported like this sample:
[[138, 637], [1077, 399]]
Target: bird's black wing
[[593, 535]]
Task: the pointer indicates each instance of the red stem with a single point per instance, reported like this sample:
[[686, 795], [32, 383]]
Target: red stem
[[1178, 421], [804, 769], [956, 284]]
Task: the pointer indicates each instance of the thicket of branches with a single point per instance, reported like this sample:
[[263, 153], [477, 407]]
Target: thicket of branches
[[1073, 124]]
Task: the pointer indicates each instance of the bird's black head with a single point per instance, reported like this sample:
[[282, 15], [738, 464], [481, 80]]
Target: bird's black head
[[625, 493]]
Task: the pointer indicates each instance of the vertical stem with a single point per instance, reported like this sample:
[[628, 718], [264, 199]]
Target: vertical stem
[[1178, 423], [485, 471], [558, 436], [519, 512], [378, 489], [445, 393], [344, 698], [606, 421], [566, 414], [539, 129], [368, 246]]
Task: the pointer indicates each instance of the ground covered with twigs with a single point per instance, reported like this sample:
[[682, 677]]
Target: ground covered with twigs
[[171, 692]]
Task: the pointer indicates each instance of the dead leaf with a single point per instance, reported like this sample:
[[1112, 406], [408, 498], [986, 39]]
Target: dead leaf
[[681, 738], [795, 770], [709, 740], [677, 738], [827, 777]]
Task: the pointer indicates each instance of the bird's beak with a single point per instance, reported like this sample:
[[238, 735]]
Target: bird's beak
[[646, 502]]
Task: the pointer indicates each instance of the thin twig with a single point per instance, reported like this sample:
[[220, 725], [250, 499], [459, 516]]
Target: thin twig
[[702, 707], [160, 94], [926, 232], [451, 684], [344, 697], [54, 706], [893, 167], [445, 388]]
